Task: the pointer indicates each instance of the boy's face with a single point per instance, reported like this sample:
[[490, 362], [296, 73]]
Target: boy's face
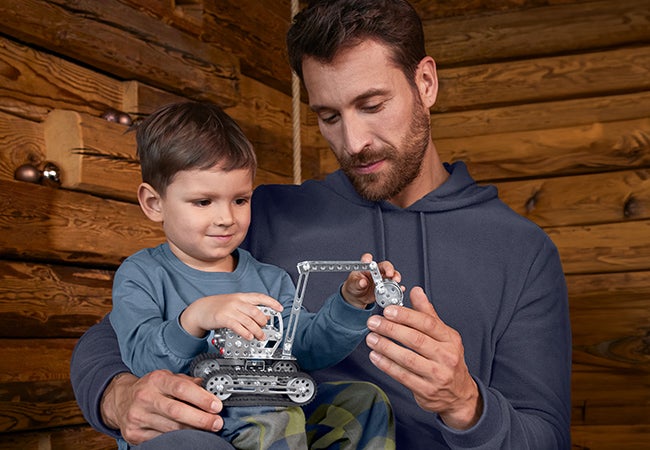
[[206, 214]]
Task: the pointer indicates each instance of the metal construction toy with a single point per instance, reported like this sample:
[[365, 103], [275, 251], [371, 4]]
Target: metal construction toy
[[254, 372]]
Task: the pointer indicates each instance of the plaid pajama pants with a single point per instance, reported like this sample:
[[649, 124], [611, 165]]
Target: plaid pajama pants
[[343, 416]]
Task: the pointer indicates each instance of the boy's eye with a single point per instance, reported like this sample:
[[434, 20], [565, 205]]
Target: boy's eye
[[204, 202], [241, 201]]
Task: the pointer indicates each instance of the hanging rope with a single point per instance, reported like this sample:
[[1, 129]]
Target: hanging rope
[[295, 114]]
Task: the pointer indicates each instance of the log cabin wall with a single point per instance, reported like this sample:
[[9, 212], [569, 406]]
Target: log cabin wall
[[547, 99]]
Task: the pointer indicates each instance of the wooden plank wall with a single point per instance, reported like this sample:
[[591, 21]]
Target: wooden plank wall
[[550, 100]]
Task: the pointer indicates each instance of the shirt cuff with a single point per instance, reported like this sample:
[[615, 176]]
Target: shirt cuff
[[180, 342]]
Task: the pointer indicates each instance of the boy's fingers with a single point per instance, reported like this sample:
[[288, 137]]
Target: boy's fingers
[[256, 299], [366, 257]]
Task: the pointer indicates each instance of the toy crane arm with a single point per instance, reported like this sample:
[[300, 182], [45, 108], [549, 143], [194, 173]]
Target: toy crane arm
[[387, 292]]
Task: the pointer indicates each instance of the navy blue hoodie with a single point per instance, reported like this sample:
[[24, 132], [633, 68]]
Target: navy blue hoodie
[[492, 275]]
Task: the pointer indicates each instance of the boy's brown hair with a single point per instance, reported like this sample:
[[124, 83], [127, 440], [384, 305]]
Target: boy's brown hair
[[188, 136]]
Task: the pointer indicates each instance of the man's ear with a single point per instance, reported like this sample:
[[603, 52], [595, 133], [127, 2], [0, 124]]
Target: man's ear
[[426, 78], [150, 202]]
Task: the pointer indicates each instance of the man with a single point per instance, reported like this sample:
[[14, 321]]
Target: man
[[481, 357]]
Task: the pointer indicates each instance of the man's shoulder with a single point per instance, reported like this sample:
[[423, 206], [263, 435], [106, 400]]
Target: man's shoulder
[[296, 199], [275, 190]]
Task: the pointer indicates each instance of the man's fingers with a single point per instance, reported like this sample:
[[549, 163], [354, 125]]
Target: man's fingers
[[189, 390], [406, 368], [421, 303], [162, 401], [179, 415], [409, 358], [185, 401], [413, 329]]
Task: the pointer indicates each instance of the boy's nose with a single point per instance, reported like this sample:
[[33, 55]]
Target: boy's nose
[[224, 218]]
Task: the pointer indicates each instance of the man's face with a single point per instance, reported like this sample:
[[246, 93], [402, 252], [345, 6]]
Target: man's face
[[372, 118]]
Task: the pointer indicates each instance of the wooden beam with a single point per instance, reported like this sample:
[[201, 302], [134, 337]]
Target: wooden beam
[[539, 116], [430, 9], [21, 142], [553, 152], [94, 155], [51, 301], [534, 80], [139, 99], [35, 390], [613, 395], [69, 438], [254, 30], [610, 437], [59, 83], [611, 370], [122, 41], [581, 200], [541, 31], [42, 223], [610, 247]]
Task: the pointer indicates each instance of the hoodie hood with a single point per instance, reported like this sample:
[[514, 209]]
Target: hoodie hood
[[459, 191]]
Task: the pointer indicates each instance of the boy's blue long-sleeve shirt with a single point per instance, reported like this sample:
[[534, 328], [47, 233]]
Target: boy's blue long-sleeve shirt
[[492, 275], [153, 287]]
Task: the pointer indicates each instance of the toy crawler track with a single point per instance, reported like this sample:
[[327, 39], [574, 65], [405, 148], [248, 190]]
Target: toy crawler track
[[277, 384]]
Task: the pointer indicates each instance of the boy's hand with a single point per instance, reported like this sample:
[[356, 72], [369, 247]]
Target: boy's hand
[[359, 289], [238, 312]]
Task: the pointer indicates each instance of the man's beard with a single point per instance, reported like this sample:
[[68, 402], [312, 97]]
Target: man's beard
[[404, 166]]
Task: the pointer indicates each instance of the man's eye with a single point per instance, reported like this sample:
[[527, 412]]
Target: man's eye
[[373, 108], [329, 118]]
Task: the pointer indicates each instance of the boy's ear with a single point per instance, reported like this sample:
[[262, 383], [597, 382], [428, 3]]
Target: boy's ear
[[150, 202]]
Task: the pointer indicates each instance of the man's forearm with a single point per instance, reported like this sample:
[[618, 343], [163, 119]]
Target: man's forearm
[[95, 361]]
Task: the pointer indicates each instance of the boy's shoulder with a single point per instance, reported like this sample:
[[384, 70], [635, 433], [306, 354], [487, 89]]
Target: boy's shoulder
[[262, 268], [146, 256]]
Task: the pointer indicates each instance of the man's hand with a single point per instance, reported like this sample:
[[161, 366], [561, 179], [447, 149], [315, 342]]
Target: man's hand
[[143, 408], [430, 363]]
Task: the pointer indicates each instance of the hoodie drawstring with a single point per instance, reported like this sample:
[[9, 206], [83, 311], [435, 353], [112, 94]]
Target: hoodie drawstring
[[381, 234], [425, 255]]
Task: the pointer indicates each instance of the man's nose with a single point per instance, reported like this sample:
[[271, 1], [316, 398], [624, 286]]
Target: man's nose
[[356, 135]]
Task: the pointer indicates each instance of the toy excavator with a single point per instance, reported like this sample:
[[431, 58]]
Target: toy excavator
[[254, 372]]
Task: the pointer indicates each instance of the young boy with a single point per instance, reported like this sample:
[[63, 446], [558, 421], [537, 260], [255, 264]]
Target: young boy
[[197, 171]]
